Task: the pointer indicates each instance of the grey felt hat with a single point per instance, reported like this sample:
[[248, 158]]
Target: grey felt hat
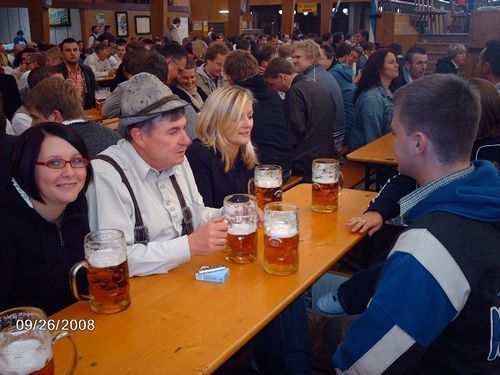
[[146, 97]]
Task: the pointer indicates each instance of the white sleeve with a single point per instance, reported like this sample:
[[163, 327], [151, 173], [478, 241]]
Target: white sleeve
[[20, 122], [110, 206]]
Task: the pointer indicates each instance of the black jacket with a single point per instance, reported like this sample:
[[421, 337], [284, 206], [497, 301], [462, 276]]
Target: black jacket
[[10, 95], [446, 66], [270, 128], [213, 183], [311, 118], [7, 143], [36, 255], [182, 94], [90, 84]]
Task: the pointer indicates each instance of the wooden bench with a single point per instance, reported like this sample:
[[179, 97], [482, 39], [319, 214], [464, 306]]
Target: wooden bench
[[353, 174], [292, 181], [111, 123]]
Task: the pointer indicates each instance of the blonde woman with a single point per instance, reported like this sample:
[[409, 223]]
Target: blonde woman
[[222, 157]]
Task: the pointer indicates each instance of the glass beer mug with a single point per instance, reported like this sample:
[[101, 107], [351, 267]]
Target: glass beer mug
[[240, 212], [107, 272], [281, 238], [26, 343], [266, 184], [326, 185]]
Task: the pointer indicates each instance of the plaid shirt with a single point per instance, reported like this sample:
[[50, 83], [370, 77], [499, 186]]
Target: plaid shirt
[[411, 200], [78, 81]]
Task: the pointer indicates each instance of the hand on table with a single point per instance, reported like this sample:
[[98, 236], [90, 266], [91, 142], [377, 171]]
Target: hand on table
[[370, 221], [209, 237]]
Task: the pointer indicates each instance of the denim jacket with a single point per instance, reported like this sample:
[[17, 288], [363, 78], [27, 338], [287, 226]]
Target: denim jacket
[[373, 109]]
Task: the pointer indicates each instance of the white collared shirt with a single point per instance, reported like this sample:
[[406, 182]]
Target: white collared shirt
[[99, 67], [110, 206]]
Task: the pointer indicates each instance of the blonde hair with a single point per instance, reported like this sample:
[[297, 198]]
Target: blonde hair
[[311, 48], [220, 114]]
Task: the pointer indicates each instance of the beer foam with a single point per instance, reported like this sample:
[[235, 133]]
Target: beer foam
[[24, 357], [242, 229], [268, 183], [279, 229], [325, 179], [106, 258]]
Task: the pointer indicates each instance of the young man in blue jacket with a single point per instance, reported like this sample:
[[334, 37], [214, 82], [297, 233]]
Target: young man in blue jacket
[[436, 308]]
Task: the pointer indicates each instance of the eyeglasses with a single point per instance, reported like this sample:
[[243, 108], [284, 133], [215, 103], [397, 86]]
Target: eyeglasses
[[61, 163], [180, 70]]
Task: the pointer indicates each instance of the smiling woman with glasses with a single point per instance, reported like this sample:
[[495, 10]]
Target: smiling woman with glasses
[[43, 217]]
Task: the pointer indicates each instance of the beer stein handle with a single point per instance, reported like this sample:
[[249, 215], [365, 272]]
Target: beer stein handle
[[341, 182], [67, 335], [251, 187], [72, 281]]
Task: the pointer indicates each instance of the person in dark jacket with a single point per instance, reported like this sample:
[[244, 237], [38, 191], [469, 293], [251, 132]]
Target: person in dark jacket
[[455, 56], [223, 157], [55, 99], [414, 67], [435, 307], [309, 114], [186, 89], [80, 75], [43, 218], [307, 60], [7, 143], [11, 100], [270, 130]]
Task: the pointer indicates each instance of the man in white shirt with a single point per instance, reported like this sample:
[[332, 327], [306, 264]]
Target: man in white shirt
[[116, 59], [93, 37], [98, 62], [152, 158]]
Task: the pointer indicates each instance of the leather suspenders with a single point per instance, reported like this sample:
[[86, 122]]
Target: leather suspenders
[[141, 233]]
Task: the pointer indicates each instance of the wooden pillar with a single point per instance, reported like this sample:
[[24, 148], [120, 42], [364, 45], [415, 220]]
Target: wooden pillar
[[326, 20], [39, 21], [159, 17], [234, 18], [287, 6]]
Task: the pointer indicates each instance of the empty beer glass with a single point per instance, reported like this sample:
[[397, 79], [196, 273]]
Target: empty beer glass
[[26, 343], [240, 212], [266, 184], [107, 272], [281, 238], [326, 185]]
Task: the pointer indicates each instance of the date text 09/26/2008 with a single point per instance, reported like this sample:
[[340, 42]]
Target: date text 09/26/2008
[[56, 325]]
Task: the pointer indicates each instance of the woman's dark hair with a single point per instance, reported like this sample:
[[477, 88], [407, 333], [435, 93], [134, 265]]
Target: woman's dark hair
[[27, 149], [370, 75]]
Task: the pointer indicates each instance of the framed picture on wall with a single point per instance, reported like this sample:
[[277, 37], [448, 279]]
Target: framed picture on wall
[[142, 25], [59, 17], [121, 19]]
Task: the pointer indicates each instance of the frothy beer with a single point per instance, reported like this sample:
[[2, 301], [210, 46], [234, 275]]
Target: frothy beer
[[107, 276], [31, 356], [325, 194], [241, 243], [267, 190], [281, 245]]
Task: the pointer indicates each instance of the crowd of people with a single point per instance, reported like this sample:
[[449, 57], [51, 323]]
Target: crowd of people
[[197, 115]]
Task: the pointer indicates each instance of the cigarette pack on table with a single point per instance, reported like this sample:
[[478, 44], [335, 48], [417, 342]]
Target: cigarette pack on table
[[213, 274]]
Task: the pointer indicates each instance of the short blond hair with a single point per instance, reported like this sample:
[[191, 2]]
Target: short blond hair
[[311, 48], [220, 114]]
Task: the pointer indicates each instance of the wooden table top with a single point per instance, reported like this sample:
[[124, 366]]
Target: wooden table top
[[377, 152], [177, 325], [93, 115], [105, 78]]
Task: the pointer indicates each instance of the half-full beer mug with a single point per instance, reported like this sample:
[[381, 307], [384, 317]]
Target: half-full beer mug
[[281, 238], [326, 185], [240, 212], [107, 272], [266, 184], [26, 343]]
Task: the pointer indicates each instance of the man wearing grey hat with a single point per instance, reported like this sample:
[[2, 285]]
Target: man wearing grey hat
[[161, 211]]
